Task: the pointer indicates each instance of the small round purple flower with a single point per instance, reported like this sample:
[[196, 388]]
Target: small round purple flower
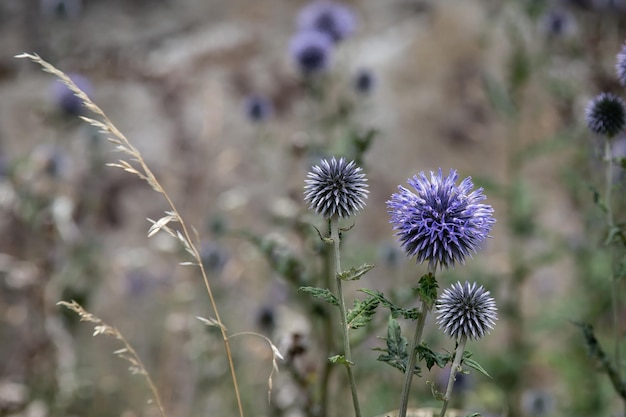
[[364, 81], [466, 311], [620, 66], [311, 51], [258, 108], [606, 115], [65, 99], [336, 188], [334, 19], [440, 222]]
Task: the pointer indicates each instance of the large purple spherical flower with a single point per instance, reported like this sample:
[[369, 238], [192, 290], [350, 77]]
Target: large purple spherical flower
[[311, 51], [334, 19], [606, 115], [336, 188], [440, 222], [466, 310]]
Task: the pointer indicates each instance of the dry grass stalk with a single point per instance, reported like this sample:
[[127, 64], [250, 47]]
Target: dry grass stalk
[[138, 167], [127, 352]]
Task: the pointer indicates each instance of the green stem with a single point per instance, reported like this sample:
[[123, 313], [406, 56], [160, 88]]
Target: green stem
[[334, 235], [608, 196], [454, 369], [408, 374]]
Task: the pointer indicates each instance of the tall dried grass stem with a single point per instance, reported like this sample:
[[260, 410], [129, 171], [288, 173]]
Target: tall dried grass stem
[[143, 171]]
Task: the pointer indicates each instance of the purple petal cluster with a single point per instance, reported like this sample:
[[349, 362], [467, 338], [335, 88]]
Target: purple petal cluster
[[439, 221], [606, 115], [311, 51], [336, 188], [466, 310], [334, 19]]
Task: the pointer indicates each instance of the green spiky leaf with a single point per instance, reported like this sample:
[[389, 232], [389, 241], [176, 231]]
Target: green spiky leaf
[[362, 313], [355, 273], [432, 358], [407, 313], [427, 289], [321, 293], [473, 364], [340, 360], [396, 353]]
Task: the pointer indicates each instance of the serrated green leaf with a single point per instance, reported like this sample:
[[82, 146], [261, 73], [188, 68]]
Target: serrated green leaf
[[340, 360], [355, 273], [473, 364], [320, 293], [396, 353], [407, 313], [362, 313], [432, 358], [427, 289]]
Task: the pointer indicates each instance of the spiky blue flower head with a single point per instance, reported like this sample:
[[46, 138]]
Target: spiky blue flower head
[[606, 115], [439, 221], [620, 65], [258, 108], [466, 310], [334, 19], [311, 51], [336, 188], [65, 99]]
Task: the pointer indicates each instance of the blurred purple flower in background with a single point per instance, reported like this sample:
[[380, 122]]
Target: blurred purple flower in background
[[334, 19], [214, 257], [61, 8], [65, 99], [258, 108], [364, 81], [311, 51], [440, 222], [557, 22], [606, 114]]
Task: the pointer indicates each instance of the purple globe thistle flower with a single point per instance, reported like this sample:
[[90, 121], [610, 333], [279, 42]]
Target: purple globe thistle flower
[[336, 188], [65, 99], [311, 51], [334, 19], [258, 108], [364, 81], [466, 311], [440, 222], [620, 66], [606, 115]]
